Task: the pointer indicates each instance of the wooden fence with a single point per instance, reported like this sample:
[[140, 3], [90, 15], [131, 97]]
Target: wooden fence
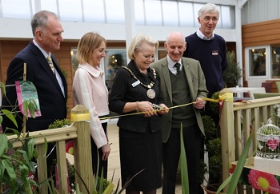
[[237, 121], [80, 135]]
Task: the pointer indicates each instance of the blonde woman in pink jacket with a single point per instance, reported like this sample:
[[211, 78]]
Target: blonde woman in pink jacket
[[90, 91]]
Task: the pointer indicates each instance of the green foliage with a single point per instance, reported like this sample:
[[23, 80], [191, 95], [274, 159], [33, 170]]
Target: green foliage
[[184, 165], [233, 179], [213, 141], [202, 170], [214, 106], [59, 123], [30, 106], [210, 128], [9, 115], [233, 72], [215, 161], [3, 88], [16, 164]]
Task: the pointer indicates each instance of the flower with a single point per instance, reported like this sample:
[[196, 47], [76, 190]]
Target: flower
[[263, 181]]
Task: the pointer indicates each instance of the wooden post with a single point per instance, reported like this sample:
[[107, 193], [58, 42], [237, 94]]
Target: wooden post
[[61, 166], [227, 134], [42, 168], [82, 149], [24, 117]]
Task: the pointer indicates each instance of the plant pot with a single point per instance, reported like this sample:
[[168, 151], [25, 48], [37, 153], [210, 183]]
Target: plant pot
[[212, 189]]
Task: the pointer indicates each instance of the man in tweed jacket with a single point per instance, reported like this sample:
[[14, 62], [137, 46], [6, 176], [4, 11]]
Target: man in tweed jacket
[[181, 85]]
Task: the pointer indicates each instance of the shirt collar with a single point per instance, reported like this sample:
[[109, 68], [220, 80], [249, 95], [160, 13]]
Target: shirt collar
[[42, 50], [171, 63], [201, 35], [95, 72]]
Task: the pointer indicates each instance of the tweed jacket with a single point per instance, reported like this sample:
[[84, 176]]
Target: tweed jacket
[[51, 98], [197, 86]]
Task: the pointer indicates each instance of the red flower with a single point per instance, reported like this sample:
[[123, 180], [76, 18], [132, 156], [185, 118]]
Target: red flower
[[263, 181], [69, 147]]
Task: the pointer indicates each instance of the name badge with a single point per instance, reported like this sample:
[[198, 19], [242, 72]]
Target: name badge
[[135, 83], [215, 52]]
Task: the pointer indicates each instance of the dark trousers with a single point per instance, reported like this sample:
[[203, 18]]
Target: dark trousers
[[171, 155], [103, 165]]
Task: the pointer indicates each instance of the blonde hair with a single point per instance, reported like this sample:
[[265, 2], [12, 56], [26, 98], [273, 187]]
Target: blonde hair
[[136, 43], [87, 44]]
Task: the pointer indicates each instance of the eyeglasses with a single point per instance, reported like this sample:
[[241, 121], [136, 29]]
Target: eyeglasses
[[208, 18]]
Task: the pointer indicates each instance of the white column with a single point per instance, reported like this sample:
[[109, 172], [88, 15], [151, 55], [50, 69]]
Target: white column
[[238, 29], [129, 14]]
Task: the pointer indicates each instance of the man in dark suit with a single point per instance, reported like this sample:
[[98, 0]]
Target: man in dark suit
[[50, 83], [182, 82]]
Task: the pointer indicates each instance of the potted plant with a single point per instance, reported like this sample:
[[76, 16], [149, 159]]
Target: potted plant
[[233, 72], [212, 146], [17, 166]]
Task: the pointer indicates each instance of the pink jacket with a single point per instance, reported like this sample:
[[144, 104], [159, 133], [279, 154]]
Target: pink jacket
[[90, 90]]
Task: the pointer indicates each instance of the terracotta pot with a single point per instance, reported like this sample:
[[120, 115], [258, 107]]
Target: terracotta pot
[[211, 188]]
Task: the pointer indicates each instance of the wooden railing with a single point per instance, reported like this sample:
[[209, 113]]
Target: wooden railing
[[237, 121], [80, 135]]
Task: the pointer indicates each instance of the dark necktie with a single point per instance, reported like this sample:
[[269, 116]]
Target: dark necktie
[[177, 66]]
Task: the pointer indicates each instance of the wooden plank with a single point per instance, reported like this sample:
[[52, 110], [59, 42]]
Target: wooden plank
[[62, 166], [256, 125], [228, 148], [246, 127], [82, 147], [51, 135], [42, 169], [237, 125]]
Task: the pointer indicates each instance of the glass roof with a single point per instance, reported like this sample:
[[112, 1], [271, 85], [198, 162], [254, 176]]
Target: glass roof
[[147, 12]]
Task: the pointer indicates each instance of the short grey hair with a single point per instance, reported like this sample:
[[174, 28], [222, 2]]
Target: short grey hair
[[40, 20], [208, 8], [136, 43]]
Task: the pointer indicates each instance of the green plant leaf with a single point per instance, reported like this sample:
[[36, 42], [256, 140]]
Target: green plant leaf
[[10, 170], [24, 171], [46, 146], [234, 178], [101, 182], [10, 116], [31, 145], [24, 155], [3, 144], [25, 108], [1, 119], [239, 167], [78, 189], [3, 88], [224, 184], [184, 166], [1, 173]]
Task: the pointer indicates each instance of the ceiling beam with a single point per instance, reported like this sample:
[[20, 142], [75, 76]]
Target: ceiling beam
[[219, 2], [241, 3]]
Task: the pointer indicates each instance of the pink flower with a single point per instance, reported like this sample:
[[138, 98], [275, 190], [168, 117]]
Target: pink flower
[[263, 181]]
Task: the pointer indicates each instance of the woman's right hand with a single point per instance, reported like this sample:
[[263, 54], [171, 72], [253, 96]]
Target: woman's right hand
[[147, 107], [106, 151]]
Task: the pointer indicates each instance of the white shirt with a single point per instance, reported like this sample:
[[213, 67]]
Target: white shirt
[[59, 80], [171, 64], [200, 35]]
